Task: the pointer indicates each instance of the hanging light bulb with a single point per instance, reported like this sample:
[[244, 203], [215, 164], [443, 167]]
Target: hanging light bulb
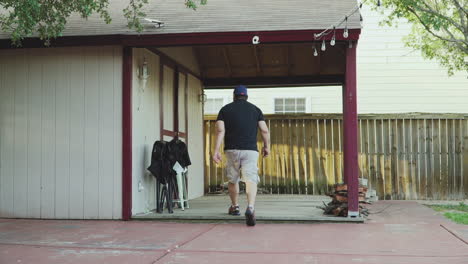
[[324, 45], [315, 51], [346, 33], [333, 40]]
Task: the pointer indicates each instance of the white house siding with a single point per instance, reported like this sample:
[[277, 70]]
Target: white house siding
[[185, 56], [61, 133], [145, 130], [391, 79], [146, 124], [195, 138]]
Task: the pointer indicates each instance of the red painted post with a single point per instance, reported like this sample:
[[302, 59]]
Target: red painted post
[[350, 129], [127, 134]]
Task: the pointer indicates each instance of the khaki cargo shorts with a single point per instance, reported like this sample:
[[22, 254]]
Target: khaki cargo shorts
[[244, 161]]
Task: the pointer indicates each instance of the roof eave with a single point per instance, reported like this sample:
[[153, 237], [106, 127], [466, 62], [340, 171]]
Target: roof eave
[[186, 39]]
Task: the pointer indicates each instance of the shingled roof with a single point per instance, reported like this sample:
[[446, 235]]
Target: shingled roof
[[220, 16]]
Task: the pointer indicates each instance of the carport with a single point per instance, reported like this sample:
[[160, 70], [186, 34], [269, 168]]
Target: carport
[[269, 44], [261, 53]]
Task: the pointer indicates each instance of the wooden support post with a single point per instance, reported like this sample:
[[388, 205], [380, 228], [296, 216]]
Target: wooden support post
[[127, 134], [350, 122]]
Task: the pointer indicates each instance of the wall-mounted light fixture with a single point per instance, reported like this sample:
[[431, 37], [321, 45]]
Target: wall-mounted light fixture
[[202, 98], [143, 70]]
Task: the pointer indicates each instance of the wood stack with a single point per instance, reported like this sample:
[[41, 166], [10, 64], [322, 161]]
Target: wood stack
[[339, 204]]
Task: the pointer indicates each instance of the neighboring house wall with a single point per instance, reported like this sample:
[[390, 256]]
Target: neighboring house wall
[[61, 133], [146, 123], [391, 79]]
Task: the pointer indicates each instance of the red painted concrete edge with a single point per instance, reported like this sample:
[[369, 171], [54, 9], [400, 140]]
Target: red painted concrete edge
[[453, 233], [184, 39], [127, 134], [350, 129]]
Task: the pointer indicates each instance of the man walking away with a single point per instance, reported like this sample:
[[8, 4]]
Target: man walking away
[[238, 123]]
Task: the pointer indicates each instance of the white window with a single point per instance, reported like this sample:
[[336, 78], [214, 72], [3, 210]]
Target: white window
[[213, 105], [290, 105]]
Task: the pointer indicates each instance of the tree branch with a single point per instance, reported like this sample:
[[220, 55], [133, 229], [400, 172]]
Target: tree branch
[[460, 8], [430, 10], [428, 28]]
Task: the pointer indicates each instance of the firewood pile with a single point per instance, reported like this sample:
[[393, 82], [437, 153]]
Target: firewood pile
[[339, 204]]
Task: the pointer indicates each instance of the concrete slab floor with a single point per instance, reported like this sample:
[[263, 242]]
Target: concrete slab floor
[[397, 232], [269, 208]]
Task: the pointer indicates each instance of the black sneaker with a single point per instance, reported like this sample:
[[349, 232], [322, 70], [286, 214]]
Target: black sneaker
[[250, 217], [234, 210]]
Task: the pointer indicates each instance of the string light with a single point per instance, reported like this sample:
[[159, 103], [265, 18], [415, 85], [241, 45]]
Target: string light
[[339, 23], [333, 40], [345, 33], [333, 27]]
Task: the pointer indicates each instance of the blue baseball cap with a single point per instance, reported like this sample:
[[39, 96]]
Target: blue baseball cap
[[240, 90]]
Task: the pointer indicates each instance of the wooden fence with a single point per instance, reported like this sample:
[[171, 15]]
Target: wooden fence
[[403, 156]]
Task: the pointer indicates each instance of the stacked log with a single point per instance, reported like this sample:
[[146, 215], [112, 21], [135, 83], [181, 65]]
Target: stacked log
[[339, 204]]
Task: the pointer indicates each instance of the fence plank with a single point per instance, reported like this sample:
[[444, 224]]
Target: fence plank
[[464, 158], [311, 151]]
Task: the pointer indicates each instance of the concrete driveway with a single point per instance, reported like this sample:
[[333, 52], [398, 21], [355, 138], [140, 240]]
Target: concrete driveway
[[397, 232]]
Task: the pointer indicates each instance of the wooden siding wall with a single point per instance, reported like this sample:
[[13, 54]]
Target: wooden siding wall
[[61, 133], [145, 129], [402, 156], [195, 137], [149, 99]]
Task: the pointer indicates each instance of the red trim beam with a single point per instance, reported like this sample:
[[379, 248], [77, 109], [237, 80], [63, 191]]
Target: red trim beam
[[127, 134], [350, 129], [186, 39]]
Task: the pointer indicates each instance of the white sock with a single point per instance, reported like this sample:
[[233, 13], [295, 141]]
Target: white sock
[[251, 207]]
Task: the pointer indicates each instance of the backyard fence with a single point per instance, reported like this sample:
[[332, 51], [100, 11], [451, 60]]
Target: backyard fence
[[403, 156]]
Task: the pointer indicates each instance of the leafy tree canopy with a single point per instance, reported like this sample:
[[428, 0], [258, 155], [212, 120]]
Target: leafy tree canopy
[[48, 18]]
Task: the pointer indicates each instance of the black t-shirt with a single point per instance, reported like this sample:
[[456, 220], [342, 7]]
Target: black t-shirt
[[241, 123]]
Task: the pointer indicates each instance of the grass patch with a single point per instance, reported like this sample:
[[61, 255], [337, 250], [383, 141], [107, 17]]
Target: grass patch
[[462, 207], [461, 218], [457, 213]]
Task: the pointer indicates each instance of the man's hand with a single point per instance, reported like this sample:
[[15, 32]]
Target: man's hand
[[265, 151], [217, 157]]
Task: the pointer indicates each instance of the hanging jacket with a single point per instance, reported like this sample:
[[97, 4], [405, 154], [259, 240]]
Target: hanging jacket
[[178, 151], [160, 164]]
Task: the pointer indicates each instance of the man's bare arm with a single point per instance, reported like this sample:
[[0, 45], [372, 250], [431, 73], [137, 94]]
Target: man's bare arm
[[220, 131], [265, 136]]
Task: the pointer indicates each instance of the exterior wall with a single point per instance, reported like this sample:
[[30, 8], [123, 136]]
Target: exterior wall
[[146, 123], [391, 79], [61, 133], [145, 130], [195, 138], [184, 56]]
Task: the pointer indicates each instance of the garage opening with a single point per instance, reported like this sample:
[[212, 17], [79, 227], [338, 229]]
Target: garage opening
[[179, 80]]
